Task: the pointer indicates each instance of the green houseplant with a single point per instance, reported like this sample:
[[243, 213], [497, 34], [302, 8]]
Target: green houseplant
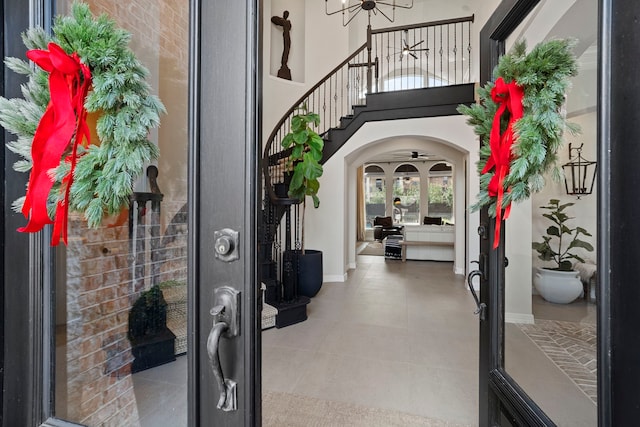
[[306, 152], [561, 283], [560, 254]]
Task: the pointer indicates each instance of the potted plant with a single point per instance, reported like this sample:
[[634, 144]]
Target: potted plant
[[306, 152], [560, 284]]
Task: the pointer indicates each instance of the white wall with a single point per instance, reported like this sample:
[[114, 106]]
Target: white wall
[[518, 281], [296, 62], [325, 46]]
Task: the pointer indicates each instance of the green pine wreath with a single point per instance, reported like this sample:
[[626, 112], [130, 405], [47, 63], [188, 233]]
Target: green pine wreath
[[104, 174], [544, 74]]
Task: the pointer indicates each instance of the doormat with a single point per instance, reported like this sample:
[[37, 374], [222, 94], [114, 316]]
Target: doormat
[[373, 248], [284, 409], [571, 346]]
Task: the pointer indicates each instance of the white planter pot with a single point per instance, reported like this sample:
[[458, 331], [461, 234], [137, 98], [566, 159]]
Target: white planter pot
[[560, 287]]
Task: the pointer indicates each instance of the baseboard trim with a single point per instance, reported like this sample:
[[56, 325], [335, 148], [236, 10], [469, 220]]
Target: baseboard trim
[[458, 271], [519, 318], [335, 278], [352, 266]]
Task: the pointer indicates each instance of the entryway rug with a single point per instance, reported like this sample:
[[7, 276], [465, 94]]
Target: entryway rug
[[571, 346], [284, 409], [373, 248]]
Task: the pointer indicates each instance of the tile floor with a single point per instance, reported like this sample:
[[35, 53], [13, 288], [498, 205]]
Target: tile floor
[[396, 336], [399, 336]]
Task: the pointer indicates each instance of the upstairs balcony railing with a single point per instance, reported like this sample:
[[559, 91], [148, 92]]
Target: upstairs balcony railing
[[415, 56]]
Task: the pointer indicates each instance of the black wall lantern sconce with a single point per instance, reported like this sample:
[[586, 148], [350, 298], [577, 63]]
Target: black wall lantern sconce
[[579, 173]]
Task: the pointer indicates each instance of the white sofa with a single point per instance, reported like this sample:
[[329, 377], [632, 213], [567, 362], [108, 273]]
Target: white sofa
[[429, 242]]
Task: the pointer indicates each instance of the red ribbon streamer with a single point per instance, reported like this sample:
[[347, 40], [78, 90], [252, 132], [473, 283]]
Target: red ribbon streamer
[[509, 97], [63, 123]]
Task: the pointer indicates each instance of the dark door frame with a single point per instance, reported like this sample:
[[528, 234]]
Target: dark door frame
[[24, 392], [224, 125], [618, 213]]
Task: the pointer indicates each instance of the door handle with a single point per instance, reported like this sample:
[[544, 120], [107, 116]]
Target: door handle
[[482, 307], [226, 322]]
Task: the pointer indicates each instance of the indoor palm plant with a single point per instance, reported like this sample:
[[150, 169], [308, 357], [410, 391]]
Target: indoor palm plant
[[560, 284], [306, 152]]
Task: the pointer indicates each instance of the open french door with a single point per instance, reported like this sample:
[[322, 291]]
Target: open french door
[[503, 402], [613, 35], [70, 356]]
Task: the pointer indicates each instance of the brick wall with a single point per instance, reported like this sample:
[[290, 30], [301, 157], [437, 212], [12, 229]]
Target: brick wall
[[104, 278], [100, 292]]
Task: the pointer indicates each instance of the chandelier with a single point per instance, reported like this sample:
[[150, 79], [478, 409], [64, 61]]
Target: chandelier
[[354, 7]]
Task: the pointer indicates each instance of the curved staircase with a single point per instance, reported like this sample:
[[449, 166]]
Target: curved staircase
[[370, 85]]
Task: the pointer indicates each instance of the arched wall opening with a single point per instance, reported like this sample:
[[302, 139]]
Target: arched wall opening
[[332, 227], [446, 150]]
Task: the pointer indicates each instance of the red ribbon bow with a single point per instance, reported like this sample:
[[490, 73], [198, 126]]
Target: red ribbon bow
[[509, 97], [63, 123]]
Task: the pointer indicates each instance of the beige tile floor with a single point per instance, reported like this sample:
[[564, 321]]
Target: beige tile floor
[[399, 336], [396, 336]]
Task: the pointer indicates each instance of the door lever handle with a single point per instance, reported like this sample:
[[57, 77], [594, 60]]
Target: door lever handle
[[213, 345], [226, 323], [482, 307]]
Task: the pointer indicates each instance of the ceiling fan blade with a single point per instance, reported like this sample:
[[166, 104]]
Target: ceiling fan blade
[[414, 56], [420, 42]]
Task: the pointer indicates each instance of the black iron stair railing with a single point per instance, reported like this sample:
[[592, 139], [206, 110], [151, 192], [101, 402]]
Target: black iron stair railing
[[427, 55]]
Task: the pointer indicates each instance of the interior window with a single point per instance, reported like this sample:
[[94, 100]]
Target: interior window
[[441, 192], [406, 195], [411, 81], [374, 194]]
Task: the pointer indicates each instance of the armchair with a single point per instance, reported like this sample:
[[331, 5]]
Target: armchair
[[383, 227]]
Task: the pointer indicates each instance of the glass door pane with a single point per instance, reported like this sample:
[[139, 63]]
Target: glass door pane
[[121, 295], [550, 343]]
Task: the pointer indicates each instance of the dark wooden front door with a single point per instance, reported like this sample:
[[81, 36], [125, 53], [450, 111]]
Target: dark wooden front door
[[66, 311]]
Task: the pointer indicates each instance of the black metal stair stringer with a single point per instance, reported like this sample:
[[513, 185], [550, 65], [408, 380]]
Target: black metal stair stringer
[[405, 104]]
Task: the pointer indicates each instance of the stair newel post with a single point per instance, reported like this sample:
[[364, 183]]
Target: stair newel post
[[369, 63]]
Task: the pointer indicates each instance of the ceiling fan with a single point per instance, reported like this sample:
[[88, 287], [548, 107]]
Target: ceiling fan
[[411, 155], [410, 50], [416, 155]]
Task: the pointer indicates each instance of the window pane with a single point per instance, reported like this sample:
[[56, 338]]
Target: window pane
[[121, 288], [441, 192], [406, 195], [375, 192]]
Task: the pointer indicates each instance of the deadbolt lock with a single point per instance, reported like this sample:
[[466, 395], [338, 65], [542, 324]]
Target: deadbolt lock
[[226, 245]]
